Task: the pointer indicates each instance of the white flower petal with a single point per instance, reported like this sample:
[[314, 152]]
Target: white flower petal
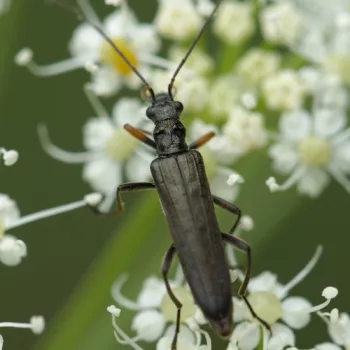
[[221, 189], [120, 23], [266, 305], [313, 182], [329, 121], [86, 42], [247, 335], [245, 129], [283, 90], [281, 22], [164, 343], [341, 156], [9, 211], [186, 339], [149, 325], [264, 282], [284, 157], [132, 81], [199, 63], [137, 168], [295, 125], [327, 346], [97, 132], [199, 128], [103, 175], [205, 7], [310, 77], [177, 20], [199, 317], [194, 94], [331, 94], [224, 150], [145, 38], [240, 13], [12, 250], [295, 312], [225, 94], [340, 331], [185, 334], [128, 110], [105, 81], [151, 295], [240, 310], [282, 337]]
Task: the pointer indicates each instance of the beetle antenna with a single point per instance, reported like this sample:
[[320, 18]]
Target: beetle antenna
[[172, 81], [78, 11]]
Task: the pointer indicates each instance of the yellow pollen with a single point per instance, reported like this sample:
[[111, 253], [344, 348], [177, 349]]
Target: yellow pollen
[[168, 308], [109, 56], [267, 306], [315, 151], [121, 146]]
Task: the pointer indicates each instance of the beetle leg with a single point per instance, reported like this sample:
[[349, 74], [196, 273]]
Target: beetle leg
[[240, 244], [141, 135], [202, 140], [145, 132], [168, 259], [127, 187], [229, 207]]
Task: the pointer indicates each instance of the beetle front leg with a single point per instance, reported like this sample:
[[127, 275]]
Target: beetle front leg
[[240, 244], [140, 135], [168, 259], [127, 187], [231, 208]]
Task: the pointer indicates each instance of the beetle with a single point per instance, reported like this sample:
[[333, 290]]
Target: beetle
[[181, 182]]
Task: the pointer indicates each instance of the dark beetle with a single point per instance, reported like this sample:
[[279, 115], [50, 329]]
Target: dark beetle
[[182, 185], [183, 188]]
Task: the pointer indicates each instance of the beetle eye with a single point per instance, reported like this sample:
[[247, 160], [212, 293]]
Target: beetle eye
[[179, 106], [150, 112]]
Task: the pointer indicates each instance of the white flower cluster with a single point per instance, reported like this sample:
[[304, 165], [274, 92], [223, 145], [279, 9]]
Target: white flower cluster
[[156, 314], [252, 85]]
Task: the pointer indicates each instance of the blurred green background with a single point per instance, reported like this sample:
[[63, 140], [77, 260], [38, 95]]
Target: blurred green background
[[74, 258]]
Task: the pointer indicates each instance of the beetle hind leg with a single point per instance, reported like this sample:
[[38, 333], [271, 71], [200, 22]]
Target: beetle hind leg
[[240, 244], [254, 314], [168, 259], [231, 208]]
